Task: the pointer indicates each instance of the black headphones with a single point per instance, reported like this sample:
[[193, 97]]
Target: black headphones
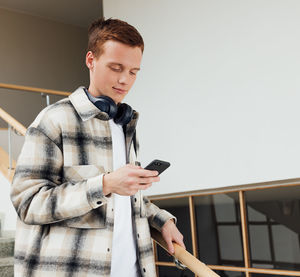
[[121, 114]]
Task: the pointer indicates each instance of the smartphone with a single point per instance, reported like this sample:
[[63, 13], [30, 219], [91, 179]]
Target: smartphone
[[158, 165]]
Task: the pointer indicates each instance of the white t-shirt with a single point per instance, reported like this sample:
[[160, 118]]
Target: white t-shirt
[[124, 260]]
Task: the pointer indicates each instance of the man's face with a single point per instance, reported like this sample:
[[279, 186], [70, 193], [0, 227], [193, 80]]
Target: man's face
[[113, 73]]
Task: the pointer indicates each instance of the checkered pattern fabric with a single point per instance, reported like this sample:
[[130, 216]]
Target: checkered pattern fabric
[[65, 223]]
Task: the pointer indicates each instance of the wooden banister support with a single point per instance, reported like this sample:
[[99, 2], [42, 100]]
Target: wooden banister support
[[4, 163], [13, 122], [199, 268]]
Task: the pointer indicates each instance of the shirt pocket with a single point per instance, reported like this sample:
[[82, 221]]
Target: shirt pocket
[[96, 218], [78, 173]]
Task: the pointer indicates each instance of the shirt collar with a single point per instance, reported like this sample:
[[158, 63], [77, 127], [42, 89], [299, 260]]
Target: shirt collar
[[92, 98], [83, 104], [84, 107]]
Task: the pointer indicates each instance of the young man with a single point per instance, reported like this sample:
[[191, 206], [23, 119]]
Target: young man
[[77, 190]]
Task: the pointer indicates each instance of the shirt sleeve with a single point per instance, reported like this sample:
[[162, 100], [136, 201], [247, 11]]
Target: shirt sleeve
[[38, 192], [157, 217]]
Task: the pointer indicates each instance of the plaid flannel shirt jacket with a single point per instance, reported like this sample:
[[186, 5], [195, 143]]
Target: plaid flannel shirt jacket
[[65, 223]]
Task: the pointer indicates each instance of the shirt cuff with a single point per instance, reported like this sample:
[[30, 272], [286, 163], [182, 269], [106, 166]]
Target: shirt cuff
[[95, 191], [161, 218]]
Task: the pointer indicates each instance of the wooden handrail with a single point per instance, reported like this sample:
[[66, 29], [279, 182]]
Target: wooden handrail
[[186, 258], [13, 122], [32, 89]]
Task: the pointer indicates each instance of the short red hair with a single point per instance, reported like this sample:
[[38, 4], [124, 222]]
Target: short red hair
[[103, 30]]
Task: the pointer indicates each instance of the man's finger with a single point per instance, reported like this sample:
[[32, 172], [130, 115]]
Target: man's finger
[[133, 166], [170, 246], [144, 186], [147, 180], [181, 243], [147, 173], [179, 240]]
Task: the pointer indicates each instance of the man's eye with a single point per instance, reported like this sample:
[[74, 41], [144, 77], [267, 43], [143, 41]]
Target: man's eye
[[133, 73], [117, 69]]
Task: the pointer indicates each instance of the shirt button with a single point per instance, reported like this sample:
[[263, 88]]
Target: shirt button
[[108, 249], [135, 199], [99, 202], [138, 235], [144, 269]]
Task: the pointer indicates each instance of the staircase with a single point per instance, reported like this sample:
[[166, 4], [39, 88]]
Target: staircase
[[7, 240], [7, 212], [7, 217], [6, 255]]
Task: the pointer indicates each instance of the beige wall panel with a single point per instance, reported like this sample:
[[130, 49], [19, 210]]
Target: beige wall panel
[[40, 53]]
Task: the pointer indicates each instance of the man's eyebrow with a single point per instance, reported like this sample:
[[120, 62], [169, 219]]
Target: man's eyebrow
[[112, 63], [121, 65]]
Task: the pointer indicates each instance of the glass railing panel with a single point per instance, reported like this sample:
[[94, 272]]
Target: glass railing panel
[[274, 227], [179, 207], [219, 234]]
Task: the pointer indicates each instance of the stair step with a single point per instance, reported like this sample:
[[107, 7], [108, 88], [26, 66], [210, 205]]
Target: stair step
[[7, 267], [6, 247]]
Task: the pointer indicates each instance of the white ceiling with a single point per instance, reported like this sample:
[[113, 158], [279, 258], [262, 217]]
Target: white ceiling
[[75, 12]]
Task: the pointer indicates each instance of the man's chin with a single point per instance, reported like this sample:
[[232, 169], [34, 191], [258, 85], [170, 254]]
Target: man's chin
[[118, 100]]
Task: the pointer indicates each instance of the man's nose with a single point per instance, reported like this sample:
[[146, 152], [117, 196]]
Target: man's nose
[[124, 78]]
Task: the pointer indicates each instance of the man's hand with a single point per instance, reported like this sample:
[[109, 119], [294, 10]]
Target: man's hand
[[170, 233], [128, 180]]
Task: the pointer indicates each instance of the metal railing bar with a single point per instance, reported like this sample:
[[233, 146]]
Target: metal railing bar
[[47, 99]]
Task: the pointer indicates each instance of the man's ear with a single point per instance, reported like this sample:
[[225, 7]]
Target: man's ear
[[89, 60]]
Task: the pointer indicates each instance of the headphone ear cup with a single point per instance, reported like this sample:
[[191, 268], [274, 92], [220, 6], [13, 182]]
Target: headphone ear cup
[[107, 105], [124, 114]]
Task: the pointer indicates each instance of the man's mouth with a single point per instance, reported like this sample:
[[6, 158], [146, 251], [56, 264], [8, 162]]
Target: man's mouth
[[121, 91]]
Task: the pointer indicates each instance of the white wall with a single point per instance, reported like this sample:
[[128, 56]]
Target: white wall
[[8, 214], [219, 89]]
